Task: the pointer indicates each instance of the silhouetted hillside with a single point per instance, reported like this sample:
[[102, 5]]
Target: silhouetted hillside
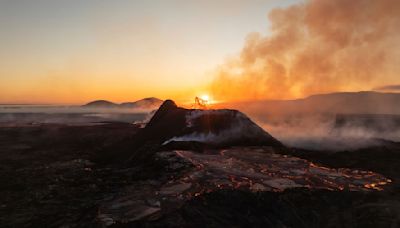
[[146, 103], [101, 104], [150, 102], [367, 102]]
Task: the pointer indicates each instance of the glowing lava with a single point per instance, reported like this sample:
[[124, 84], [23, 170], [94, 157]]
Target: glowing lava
[[256, 169]]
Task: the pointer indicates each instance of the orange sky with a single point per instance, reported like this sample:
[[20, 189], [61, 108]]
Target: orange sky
[[76, 51], [72, 52]]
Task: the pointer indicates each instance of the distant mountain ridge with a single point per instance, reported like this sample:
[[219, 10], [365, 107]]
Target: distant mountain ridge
[[143, 103], [363, 102], [101, 104], [149, 102]]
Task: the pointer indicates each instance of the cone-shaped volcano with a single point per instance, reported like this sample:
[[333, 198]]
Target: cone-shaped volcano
[[222, 127], [173, 127]]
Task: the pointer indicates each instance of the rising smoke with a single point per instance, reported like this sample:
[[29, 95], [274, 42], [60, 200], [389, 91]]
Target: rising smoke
[[313, 47]]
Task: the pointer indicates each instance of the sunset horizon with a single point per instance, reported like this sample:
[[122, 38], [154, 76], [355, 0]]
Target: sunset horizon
[[77, 52]]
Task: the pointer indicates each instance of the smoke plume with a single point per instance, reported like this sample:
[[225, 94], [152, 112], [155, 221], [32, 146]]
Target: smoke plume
[[313, 47]]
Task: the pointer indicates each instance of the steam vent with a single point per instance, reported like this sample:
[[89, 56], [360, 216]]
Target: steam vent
[[211, 151]]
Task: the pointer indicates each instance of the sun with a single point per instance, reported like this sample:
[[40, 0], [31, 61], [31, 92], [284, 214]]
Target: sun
[[202, 101], [205, 97]]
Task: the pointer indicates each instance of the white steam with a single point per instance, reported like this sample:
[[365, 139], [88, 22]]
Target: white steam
[[241, 128]]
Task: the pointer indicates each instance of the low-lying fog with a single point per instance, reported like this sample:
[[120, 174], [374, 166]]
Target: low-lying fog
[[33, 114], [330, 122], [332, 132], [329, 131]]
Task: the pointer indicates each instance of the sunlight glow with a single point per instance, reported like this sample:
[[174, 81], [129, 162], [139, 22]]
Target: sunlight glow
[[205, 97]]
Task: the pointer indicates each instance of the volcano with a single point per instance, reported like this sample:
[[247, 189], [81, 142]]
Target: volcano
[[192, 153], [173, 125], [176, 128]]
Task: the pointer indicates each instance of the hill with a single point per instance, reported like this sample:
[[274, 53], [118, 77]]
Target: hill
[[365, 102], [101, 104], [146, 103], [150, 102]]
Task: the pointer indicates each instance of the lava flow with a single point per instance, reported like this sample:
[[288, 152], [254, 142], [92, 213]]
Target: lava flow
[[244, 168]]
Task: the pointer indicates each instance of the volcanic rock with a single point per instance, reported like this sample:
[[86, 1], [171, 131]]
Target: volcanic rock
[[255, 169]]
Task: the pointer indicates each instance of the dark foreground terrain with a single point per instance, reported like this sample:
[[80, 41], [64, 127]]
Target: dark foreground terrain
[[58, 176]]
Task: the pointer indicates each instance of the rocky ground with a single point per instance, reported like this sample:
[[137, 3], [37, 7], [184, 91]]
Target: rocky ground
[[48, 177], [56, 176]]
